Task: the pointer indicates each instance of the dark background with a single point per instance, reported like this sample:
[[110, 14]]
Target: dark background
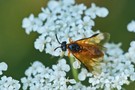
[[17, 48]]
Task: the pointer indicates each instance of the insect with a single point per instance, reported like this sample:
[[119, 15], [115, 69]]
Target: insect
[[88, 51]]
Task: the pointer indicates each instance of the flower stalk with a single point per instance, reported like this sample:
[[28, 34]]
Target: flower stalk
[[74, 71]]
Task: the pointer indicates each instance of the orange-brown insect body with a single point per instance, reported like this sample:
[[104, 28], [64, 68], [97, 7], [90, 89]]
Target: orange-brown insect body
[[87, 50]]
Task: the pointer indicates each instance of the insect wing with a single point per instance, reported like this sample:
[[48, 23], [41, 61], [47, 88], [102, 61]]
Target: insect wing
[[90, 56], [99, 38], [91, 53]]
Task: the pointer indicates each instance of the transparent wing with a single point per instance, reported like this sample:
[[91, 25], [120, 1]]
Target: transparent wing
[[90, 56], [99, 38], [91, 50]]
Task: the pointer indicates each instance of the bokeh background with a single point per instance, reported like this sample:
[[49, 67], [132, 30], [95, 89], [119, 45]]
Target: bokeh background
[[17, 48]]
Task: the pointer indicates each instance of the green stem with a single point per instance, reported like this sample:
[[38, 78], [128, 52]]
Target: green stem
[[74, 71]]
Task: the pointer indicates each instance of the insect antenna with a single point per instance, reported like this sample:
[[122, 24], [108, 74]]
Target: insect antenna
[[57, 48], [58, 42], [57, 39]]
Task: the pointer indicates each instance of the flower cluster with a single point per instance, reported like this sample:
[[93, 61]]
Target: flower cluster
[[116, 69], [130, 54], [7, 83], [44, 78], [131, 26], [67, 20], [64, 18], [3, 67]]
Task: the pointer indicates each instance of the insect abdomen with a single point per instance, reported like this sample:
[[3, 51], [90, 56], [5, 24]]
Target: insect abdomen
[[92, 51]]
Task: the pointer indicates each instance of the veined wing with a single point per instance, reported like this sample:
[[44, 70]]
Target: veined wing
[[90, 56], [99, 38]]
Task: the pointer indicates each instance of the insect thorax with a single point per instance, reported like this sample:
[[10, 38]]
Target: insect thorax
[[74, 47]]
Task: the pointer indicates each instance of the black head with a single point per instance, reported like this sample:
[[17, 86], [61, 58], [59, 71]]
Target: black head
[[74, 47], [63, 44]]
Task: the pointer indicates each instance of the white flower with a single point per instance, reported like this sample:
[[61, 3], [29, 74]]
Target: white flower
[[131, 51], [76, 64], [43, 78], [102, 12], [45, 14], [83, 74], [68, 2], [51, 47], [52, 5], [94, 11], [31, 24], [115, 71], [72, 81], [78, 86], [40, 43], [64, 18], [113, 49], [131, 26], [7, 83], [3, 67], [77, 10], [36, 68], [28, 23], [87, 22], [37, 24]]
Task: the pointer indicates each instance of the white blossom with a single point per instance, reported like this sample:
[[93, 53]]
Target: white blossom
[[3, 67], [66, 19], [31, 24], [7, 83], [28, 23], [52, 5], [102, 12], [94, 11], [40, 43], [113, 49], [115, 73], [43, 78], [131, 26], [131, 51], [79, 86], [83, 74], [76, 64], [116, 70]]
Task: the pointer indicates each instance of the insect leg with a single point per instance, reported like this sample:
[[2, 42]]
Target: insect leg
[[68, 53], [70, 40]]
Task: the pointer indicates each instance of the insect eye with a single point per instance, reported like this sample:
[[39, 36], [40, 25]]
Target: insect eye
[[63, 46]]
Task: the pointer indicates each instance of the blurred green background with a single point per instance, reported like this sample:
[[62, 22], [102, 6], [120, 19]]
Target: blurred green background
[[17, 48]]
